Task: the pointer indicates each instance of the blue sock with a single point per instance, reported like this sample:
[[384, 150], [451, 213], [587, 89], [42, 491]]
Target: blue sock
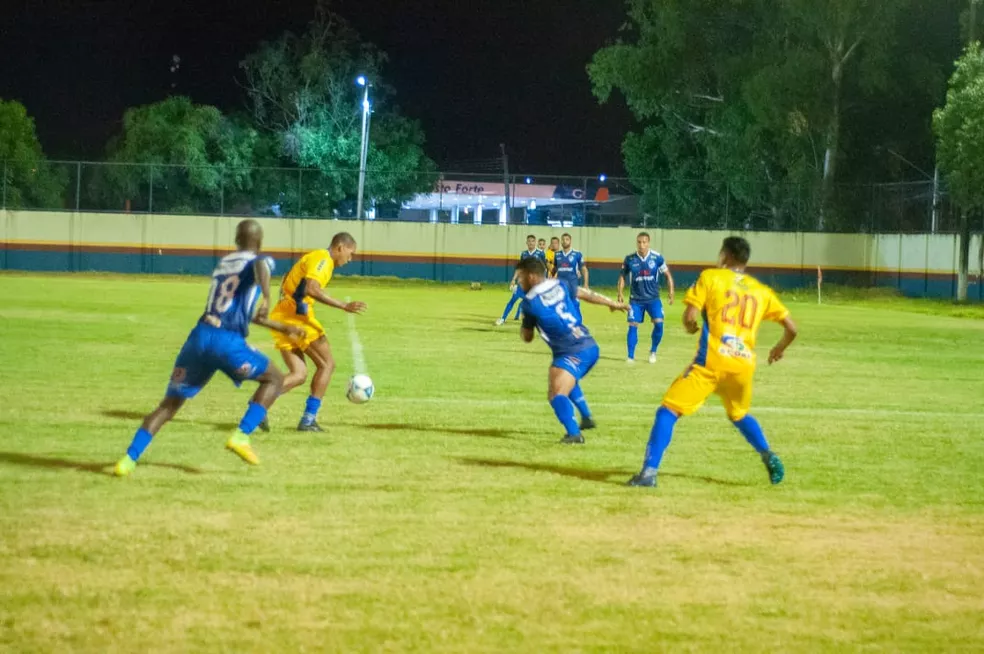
[[140, 442], [564, 409], [750, 429], [577, 397], [252, 418], [657, 336], [512, 302], [311, 408], [659, 437], [632, 339]]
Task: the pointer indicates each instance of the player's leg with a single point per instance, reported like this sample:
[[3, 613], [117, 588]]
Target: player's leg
[[296, 369], [586, 361], [736, 395], [560, 383], [517, 294], [632, 338], [683, 398], [320, 353], [655, 310], [190, 374]]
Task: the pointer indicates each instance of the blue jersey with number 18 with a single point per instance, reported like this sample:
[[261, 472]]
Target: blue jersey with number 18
[[234, 292], [550, 308]]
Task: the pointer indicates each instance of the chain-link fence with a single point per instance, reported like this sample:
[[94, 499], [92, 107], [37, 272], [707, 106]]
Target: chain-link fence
[[562, 201]]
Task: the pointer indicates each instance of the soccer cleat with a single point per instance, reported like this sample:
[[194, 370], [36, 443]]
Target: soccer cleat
[[500, 322], [652, 357], [239, 445], [642, 480], [588, 423], [576, 439], [309, 426], [630, 361], [264, 426], [774, 465], [124, 466]]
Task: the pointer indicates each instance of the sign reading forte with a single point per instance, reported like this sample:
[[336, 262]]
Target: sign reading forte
[[491, 189]]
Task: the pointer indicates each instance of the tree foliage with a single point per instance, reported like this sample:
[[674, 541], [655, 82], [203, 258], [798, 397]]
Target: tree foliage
[[29, 181], [959, 127], [772, 100], [302, 95]]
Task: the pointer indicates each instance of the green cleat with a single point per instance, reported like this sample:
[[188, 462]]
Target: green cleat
[[124, 466], [774, 466], [238, 443]]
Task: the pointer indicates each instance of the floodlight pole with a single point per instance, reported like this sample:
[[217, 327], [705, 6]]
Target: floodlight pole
[[362, 81]]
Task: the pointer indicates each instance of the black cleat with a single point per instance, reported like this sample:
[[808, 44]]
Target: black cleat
[[264, 426], [576, 439], [643, 481], [774, 466], [309, 426], [588, 423]]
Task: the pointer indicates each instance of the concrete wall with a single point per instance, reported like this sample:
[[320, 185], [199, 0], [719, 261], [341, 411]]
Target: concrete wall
[[919, 264]]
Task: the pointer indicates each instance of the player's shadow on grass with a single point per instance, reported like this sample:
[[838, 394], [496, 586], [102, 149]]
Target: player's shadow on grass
[[603, 476], [136, 416], [52, 463], [430, 429]]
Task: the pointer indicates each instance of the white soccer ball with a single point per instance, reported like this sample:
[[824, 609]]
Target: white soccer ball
[[360, 389]]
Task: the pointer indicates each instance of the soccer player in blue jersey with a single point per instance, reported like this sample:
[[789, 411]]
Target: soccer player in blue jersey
[[239, 295], [570, 267], [643, 269], [531, 252], [550, 309]]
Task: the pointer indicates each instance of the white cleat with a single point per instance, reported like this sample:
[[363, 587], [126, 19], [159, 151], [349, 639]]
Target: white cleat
[[500, 322], [631, 362], [652, 357]]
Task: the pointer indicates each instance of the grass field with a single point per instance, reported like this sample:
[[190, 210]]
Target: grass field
[[443, 516]]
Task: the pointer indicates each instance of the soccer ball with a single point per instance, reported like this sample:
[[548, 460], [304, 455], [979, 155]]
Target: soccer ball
[[360, 389]]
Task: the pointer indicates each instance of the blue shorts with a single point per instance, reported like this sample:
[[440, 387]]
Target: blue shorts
[[638, 310], [580, 363], [209, 349]]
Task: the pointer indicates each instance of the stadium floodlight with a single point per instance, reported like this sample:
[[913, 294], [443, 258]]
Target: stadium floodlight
[[529, 180], [602, 178], [366, 113]]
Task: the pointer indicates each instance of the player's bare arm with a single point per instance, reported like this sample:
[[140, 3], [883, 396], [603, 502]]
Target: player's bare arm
[[591, 297], [788, 336], [690, 316], [315, 292], [620, 292], [584, 272], [262, 273], [671, 292]]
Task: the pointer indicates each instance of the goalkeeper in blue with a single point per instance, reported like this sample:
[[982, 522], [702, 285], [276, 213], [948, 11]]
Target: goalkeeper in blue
[[549, 308]]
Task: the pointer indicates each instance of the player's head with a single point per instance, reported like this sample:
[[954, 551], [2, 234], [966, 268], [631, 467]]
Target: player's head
[[531, 242], [735, 252], [342, 248], [642, 243], [565, 241], [554, 243], [531, 272], [249, 235], [542, 244]]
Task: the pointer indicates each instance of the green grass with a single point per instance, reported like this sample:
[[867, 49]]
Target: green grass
[[442, 516]]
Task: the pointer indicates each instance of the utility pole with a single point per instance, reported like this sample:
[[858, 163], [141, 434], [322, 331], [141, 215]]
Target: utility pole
[[507, 207]]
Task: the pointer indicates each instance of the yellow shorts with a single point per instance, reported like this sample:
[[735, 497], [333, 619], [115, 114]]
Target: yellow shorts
[[696, 384], [312, 330]]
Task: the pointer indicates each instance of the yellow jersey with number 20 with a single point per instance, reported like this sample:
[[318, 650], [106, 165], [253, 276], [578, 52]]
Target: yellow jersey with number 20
[[733, 306]]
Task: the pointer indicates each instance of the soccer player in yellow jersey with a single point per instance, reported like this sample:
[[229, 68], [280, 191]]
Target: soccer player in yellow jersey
[[733, 306], [551, 254], [301, 288]]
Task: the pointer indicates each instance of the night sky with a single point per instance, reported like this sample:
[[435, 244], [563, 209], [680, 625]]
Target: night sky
[[475, 73]]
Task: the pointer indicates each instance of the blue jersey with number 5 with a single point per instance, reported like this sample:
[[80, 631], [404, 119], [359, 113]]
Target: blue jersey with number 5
[[234, 292], [550, 308]]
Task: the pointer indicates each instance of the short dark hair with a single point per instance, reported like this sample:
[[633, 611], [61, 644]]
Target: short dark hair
[[737, 248], [567, 235], [646, 234], [554, 238], [531, 236], [532, 265], [342, 238]]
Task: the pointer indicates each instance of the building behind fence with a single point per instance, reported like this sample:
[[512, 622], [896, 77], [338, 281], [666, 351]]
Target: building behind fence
[[559, 201]]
